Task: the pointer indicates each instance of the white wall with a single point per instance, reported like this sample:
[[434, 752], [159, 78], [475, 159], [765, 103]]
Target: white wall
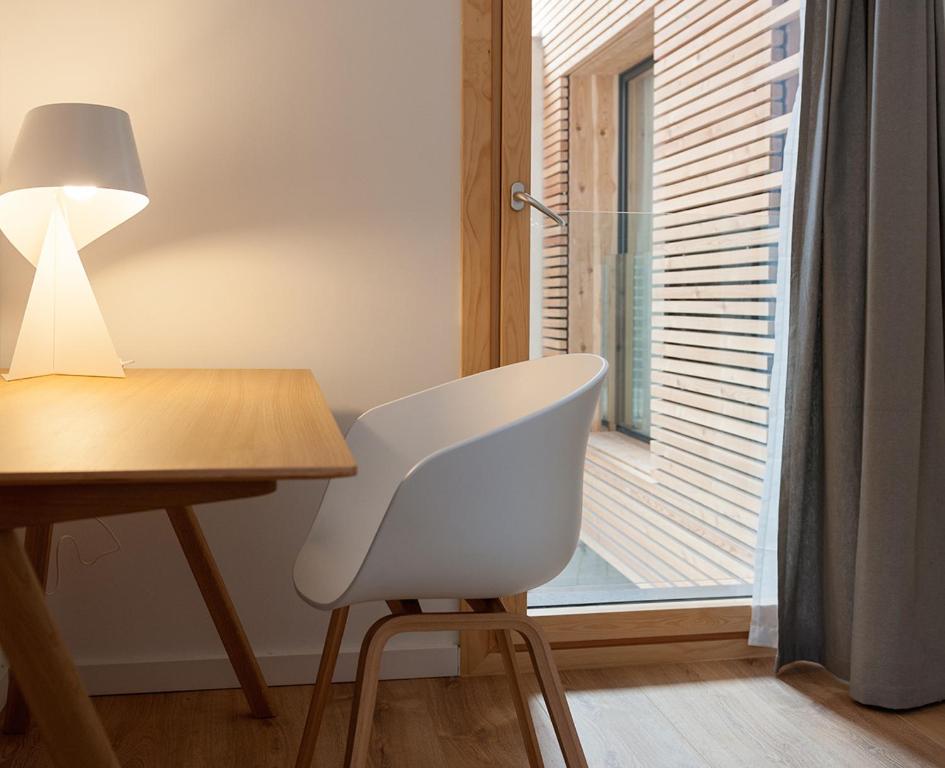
[[302, 159]]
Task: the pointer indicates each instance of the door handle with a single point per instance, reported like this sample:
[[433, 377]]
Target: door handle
[[519, 199]]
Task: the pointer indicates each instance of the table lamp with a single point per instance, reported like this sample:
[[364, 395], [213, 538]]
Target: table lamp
[[73, 175]]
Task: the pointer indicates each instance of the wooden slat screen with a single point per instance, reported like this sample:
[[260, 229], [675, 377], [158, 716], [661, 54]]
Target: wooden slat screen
[[724, 80]]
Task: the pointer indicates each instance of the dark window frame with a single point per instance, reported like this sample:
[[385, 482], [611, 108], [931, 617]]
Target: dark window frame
[[623, 183]]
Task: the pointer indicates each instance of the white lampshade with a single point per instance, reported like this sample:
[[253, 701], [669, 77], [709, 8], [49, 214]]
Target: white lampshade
[[74, 174], [80, 157]]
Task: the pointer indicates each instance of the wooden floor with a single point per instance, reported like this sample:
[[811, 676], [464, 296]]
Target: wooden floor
[[660, 540], [719, 714]]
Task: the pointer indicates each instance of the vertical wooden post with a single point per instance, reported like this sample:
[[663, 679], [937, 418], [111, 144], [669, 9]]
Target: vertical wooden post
[[496, 152], [69, 724], [38, 546], [514, 278]]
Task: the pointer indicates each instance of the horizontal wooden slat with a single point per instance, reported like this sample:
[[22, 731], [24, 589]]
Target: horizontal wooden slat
[[746, 239], [721, 79], [709, 451], [721, 389], [674, 36], [695, 169], [764, 255], [669, 39], [748, 308], [707, 463], [747, 23], [679, 107], [739, 515], [666, 11], [716, 58], [714, 275], [715, 340], [717, 405], [756, 167], [716, 227], [729, 542], [717, 529], [667, 25], [681, 548], [715, 356], [723, 498], [750, 108], [730, 141], [736, 427], [740, 445], [679, 560], [717, 324], [727, 291], [738, 189], [752, 204], [713, 372]]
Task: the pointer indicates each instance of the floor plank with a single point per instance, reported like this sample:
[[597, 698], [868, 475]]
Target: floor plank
[[701, 715]]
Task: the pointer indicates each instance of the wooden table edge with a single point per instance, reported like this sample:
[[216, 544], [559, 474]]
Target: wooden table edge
[[51, 479]]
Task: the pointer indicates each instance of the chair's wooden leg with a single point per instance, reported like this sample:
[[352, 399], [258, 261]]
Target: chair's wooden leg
[[222, 611], [525, 723], [404, 606], [322, 692], [519, 699], [553, 692], [365, 695], [70, 727], [38, 545]]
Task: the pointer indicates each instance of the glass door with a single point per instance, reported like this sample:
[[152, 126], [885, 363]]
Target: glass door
[[662, 145]]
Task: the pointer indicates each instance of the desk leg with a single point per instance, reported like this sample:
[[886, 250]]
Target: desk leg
[[67, 720], [221, 608], [38, 544]]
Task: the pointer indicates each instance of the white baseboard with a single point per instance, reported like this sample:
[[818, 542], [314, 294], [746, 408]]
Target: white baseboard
[[290, 669]]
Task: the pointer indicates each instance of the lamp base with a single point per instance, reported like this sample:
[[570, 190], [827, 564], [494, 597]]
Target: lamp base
[[63, 330]]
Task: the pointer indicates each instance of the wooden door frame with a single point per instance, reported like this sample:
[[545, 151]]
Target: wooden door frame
[[496, 151], [496, 137]]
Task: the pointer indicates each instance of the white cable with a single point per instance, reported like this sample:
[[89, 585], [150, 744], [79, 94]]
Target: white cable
[[87, 563]]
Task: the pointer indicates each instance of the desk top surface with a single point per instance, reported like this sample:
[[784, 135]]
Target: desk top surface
[[169, 425]]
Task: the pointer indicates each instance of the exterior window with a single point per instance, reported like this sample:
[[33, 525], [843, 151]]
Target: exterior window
[[634, 243]]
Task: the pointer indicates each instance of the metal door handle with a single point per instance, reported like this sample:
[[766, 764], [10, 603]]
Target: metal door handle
[[520, 198]]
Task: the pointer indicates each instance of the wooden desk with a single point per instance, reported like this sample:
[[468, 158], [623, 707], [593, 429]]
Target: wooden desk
[[78, 447]]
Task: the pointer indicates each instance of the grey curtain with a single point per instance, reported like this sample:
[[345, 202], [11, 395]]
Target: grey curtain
[[862, 515]]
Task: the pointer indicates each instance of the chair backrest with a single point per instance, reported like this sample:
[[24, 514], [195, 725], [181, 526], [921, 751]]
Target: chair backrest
[[468, 489]]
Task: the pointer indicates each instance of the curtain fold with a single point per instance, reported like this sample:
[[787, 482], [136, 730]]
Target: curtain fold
[[764, 595], [862, 514]]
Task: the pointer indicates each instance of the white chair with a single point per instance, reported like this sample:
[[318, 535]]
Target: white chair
[[470, 490]]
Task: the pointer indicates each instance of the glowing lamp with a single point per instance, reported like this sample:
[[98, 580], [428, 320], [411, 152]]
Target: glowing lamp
[[74, 175]]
